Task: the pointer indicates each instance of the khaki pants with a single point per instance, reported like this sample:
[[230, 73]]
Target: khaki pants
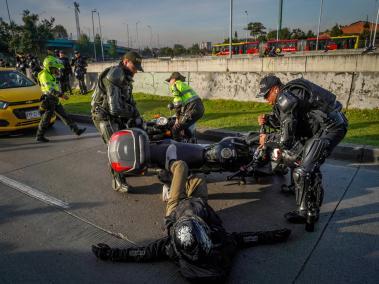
[[183, 187]]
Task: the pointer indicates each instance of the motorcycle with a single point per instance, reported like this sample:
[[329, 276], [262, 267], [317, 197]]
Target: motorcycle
[[130, 151], [159, 128]]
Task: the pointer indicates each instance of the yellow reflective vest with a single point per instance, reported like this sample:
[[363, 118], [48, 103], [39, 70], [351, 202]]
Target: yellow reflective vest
[[48, 83], [183, 94]]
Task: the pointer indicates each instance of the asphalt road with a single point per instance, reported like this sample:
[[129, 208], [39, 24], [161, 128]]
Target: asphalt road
[[44, 243]]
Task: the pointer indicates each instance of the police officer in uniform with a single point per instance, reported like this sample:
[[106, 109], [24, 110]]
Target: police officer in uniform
[[306, 114], [187, 104], [113, 106], [80, 70], [196, 239], [64, 79], [50, 99]]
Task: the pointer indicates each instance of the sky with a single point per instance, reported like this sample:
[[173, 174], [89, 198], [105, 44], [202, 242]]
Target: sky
[[191, 21]]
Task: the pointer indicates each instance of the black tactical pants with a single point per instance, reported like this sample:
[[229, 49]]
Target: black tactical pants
[[82, 84], [50, 105], [192, 113], [65, 84]]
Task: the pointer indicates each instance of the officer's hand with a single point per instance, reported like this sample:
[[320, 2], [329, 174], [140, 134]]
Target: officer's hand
[[272, 237], [262, 139], [102, 251], [262, 119]]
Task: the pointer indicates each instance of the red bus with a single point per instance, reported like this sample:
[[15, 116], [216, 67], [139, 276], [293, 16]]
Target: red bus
[[250, 47], [324, 43], [285, 45]]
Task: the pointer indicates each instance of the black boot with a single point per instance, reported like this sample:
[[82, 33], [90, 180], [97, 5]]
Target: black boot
[[296, 217], [80, 131], [42, 139]]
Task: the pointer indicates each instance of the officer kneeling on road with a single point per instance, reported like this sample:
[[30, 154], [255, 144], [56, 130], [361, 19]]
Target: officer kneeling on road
[[50, 99], [196, 239], [308, 114], [187, 104], [113, 107]]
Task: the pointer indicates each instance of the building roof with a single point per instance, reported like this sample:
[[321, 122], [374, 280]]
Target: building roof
[[356, 28]]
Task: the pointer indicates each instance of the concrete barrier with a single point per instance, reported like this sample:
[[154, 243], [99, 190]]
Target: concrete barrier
[[354, 78]]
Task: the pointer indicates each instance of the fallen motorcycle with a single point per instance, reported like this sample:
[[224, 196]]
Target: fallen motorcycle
[[130, 151]]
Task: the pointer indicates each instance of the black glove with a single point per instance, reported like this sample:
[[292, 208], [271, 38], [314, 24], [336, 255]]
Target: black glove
[[272, 237], [102, 251]]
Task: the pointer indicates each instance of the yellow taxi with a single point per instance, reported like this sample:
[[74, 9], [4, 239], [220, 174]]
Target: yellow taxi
[[19, 101]]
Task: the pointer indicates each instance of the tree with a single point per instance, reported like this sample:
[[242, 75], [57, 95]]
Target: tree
[[298, 34], [98, 46], [147, 52], [283, 34], [112, 50], [5, 37], [59, 31], [84, 46], [166, 51], [179, 50], [256, 29], [336, 31], [235, 35], [194, 50], [310, 34], [32, 36], [365, 35]]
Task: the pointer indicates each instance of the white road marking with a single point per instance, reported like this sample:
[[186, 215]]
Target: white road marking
[[33, 192]]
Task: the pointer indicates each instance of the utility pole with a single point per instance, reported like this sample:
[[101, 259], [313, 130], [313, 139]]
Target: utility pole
[[93, 31], [279, 19], [127, 34], [247, 24], [137, 43], [77, 11], [319, 22], [158, 40], [376, 25], [151, 36], [101, 36], [231, 29]]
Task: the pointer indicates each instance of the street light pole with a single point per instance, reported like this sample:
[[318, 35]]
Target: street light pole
[[127, 32], [247, 24], [231, 29], [280, 19], [376, 25], [101, 36], [137, 43], [151, 36], [319, 22], [93, 31]]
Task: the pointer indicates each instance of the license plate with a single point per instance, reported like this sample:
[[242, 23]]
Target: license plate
[[32, 114]]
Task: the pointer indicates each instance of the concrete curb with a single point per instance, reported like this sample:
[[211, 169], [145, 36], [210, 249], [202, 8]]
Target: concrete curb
[[347, 152]]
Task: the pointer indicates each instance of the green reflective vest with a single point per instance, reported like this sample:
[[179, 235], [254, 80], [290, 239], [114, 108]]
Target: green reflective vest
[[48, 82], [183, 94]]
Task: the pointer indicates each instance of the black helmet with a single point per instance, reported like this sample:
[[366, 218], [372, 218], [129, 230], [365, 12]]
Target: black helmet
[[191, 238]]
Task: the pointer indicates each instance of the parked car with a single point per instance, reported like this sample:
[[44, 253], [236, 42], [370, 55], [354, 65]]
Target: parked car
[[19, 101]]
